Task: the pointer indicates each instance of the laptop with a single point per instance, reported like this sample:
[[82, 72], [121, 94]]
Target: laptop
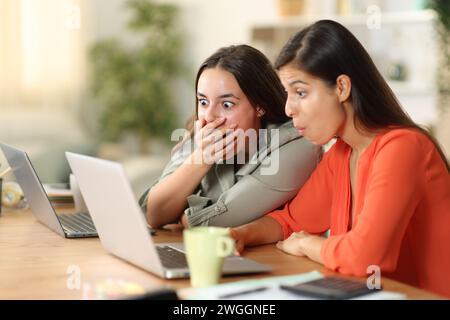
[[76, 225], [121, 224]]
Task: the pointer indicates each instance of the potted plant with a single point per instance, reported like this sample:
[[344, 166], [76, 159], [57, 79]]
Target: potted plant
[[131, 85], [442, 8]]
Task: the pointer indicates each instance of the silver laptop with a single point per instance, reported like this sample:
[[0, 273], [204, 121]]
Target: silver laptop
[[121, 224], [77, 225]]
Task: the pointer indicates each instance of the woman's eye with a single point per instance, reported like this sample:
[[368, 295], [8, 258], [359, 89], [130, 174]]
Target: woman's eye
[[228, 104], [301, 94], [203, 102]]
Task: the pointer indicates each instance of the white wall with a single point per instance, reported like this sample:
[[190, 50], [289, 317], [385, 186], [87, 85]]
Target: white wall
[[213, 24]]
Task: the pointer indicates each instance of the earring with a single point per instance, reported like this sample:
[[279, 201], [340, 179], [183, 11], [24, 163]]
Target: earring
[[260, 112]]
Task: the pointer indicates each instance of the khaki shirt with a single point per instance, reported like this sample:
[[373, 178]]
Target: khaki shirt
[[229, 196]]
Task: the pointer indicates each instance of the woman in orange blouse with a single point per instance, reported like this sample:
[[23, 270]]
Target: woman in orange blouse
[[383, 189]]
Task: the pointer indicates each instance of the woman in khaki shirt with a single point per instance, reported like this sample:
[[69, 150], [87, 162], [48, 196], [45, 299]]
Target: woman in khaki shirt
[[221, 174]]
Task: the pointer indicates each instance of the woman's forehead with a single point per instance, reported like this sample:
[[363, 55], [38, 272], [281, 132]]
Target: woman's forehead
[[217, 79], [290, 73]]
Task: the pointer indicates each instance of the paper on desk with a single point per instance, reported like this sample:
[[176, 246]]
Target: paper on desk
[[273, 292], [214, 292]]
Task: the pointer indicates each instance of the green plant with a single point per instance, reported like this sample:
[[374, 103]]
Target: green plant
[[442, 8], [132, 84]]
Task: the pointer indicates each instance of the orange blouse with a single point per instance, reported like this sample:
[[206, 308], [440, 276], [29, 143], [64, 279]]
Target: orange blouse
[[402, 210]]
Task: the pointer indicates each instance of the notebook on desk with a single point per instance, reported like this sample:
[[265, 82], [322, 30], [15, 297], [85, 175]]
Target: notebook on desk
[[77, 225], [122, 227]]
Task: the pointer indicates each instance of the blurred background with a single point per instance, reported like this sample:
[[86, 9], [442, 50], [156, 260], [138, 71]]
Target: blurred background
[[113, 78]]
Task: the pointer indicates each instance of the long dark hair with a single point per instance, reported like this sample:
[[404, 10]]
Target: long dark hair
[[326, 50], [256, 77]]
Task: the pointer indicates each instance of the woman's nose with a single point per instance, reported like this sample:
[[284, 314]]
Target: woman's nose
[[288, 109], [211, 114]]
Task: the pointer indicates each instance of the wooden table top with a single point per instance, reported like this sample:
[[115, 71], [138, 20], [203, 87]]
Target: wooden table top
[[36, 263]]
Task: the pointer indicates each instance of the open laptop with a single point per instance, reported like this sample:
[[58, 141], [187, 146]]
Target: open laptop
[[121, 224], [76, 225]]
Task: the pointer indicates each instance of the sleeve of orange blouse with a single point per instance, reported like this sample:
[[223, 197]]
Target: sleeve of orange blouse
[[393, 192], [309, 210]]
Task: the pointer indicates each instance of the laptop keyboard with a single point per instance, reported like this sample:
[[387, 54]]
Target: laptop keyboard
[[79, 222], [171, 258]]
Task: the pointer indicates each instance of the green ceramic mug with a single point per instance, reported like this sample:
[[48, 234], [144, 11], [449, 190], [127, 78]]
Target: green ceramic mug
[[206, 248]]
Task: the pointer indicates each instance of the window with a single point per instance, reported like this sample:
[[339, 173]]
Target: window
[[41, 52]]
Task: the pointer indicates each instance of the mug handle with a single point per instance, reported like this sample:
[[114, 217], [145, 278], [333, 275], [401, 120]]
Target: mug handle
[[225, 246]]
